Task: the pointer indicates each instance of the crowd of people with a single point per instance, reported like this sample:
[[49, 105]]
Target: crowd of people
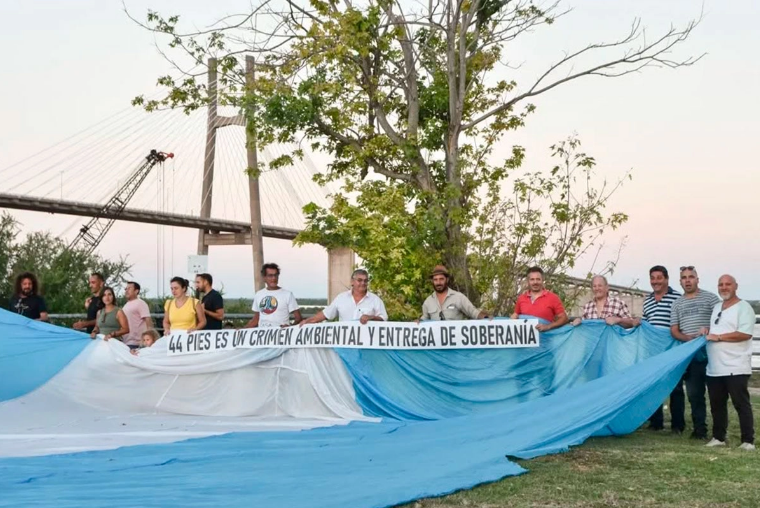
[[725, 320]]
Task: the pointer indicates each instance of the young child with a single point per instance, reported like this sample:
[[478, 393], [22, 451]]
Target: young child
[[149, 337]]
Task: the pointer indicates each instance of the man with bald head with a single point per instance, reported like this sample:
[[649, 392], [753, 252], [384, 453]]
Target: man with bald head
[[612, 309], [729, 363], [691, 313]]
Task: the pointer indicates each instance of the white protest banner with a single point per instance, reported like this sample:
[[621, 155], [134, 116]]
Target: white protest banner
[[481, 334]]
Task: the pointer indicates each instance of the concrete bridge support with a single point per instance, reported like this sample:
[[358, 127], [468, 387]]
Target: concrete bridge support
[[340, 265]]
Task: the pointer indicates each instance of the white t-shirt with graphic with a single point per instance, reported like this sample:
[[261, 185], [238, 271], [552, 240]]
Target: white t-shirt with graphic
[[274, 307], [731, 358]]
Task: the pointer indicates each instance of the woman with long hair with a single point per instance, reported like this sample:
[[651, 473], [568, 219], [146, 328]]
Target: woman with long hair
[[110, 320], [182, 313]]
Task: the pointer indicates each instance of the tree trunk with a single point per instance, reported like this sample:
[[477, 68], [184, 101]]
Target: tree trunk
[[455, 250]]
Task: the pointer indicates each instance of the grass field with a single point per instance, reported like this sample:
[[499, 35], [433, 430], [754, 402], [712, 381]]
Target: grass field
[[657, 469]]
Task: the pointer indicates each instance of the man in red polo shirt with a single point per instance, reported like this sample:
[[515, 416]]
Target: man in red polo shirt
[[541, 303]]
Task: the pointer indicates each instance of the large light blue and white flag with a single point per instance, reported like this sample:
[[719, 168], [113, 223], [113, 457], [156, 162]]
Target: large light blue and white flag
[[349, 415]]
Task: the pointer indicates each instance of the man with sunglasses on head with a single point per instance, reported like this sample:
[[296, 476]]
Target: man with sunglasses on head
[[657, 309], [689, 315], [358, 303], [729, 363], [446, 303]]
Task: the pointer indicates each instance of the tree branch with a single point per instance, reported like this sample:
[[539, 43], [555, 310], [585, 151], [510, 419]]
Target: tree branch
[[647, 54], [327, 130]]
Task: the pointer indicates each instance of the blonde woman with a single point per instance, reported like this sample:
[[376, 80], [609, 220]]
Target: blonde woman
[[182, 313]]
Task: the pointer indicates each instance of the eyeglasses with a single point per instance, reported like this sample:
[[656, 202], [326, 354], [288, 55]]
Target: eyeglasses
[[718, 318], [440, 315], [271, 275], [687, 268], [362, 281]]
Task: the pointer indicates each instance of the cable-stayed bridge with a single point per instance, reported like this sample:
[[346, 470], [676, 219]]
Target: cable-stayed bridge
[[82, 172], [93, 173]]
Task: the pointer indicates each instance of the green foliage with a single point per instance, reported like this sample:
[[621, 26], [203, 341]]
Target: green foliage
[[409, 101], [396, 241], [62, 273], [553, 218]]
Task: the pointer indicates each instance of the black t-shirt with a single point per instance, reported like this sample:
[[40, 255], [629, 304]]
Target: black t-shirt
[[32, 306], [96, 303], [213, 301]]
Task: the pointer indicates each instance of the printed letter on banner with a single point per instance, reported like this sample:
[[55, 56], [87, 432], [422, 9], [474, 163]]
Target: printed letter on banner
[[429, 335]]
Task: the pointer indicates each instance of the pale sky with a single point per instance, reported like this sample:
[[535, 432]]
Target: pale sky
[[687, 134]]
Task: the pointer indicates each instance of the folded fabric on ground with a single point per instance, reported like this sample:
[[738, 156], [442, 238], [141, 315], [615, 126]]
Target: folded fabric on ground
[[451, 418], [431, 385], [359, 465], [106, 397]]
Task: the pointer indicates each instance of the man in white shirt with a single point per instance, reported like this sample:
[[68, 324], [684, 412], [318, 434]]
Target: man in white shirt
[[272, 306], [356, 304], [138, 315], [729, 363]]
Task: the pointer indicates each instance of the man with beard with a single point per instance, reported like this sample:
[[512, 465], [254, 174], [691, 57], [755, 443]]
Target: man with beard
[[446, 303], [729, 363], [690, 314], [213, 303], [540, 302], [26, 301]]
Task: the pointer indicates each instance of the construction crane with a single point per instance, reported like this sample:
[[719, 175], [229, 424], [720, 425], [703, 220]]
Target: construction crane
[[92, 233]]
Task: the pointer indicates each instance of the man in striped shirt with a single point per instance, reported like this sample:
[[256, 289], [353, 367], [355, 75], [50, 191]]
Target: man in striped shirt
[[657, 308], [690, 314]]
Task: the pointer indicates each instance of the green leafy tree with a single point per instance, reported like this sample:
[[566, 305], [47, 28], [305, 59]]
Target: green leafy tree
[[552, 219], [63, 273], [409, 100]]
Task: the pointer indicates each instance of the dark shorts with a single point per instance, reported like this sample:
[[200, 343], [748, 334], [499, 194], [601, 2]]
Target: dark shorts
[[131, 346]]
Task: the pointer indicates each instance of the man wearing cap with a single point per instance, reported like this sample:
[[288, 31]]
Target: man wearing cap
[[446, 303]]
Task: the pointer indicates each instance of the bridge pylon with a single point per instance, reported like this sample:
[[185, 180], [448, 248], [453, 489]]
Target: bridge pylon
[[214, 123]]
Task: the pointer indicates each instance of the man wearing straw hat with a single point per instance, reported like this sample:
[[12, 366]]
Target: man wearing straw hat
[[446, 303]]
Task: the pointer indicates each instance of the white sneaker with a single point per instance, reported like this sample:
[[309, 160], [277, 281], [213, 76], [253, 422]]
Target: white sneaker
[[747, 446], [714, 442]]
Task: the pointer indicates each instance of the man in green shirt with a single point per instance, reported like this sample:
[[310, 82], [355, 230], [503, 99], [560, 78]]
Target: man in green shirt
[[446, 303]]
